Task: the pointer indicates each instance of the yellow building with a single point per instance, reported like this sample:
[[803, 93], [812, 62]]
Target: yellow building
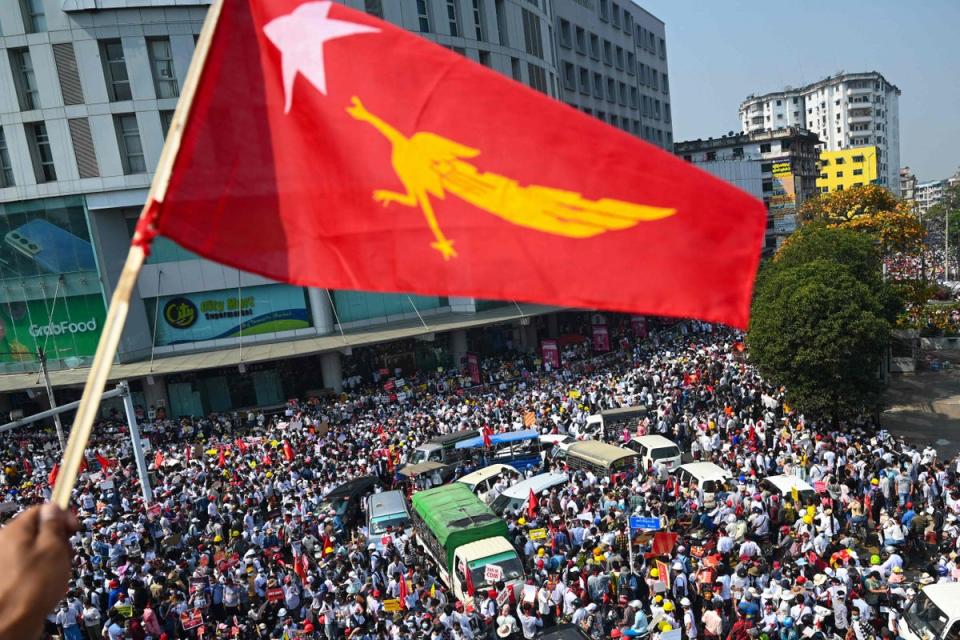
[[847, 168]]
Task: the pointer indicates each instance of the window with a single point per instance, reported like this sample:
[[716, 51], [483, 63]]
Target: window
[[515, 69], [538, 77], [598, 86], [453, 17], [619, 58], [584, 81], [858, 172], [607, 53], [423, 16], [604, 11], [569, 76], [566, 40], [128, 136], [24, 79], [857, 158], [627, 22], [161, 63], [839, 187], [34, 19], [166, 119], [532, 38], [839, 161], [115, 70], [6, 169], [374, 7], [616, 14], [839, 174], [765, 148], [41, 153], [666, 112], [824, 176], [654, 82], [614, 120], [611, 90], [479, 21], [767, 185], [594, 46], [623, 94], [737, 151], [581, 41], [635, 98], [485, 59], [711, 155], [631, 63]]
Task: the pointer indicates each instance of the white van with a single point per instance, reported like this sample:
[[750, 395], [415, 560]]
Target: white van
[[933, 614], [607, 425], [515, 498], [710, 478], [655, 449], [387, 517], [482, 480], [784, 486]]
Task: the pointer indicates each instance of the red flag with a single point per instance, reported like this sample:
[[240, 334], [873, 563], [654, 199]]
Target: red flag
[[83, 464], [52, 478], [158, 460], [221, 459], [323, 143], [300, 567], [242, 446], [27, 467], [287, 451], [103, 462], [266, 459], [532, 506], [404, 592], [471, 589], [487, 432]]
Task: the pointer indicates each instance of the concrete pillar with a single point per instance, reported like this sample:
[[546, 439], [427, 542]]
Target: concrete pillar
[[530, 338], [322, 310], [332, 371], [553, 326], [458, 346]]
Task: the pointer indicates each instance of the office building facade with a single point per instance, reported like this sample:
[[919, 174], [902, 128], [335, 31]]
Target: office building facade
[[847, 169], [779, 167], [845, 110], [87, 93]]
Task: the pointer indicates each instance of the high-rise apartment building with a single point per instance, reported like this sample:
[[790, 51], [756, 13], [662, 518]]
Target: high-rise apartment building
[[87, 93], [612, 64], [778, 167], [845, 110]]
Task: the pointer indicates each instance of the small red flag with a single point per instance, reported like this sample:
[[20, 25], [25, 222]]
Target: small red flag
[[27, 467], [300, 566], [188, 451], [404, 592], [287, 451], [102, 461], [532, 506], [241, 445], [221, 459], [266, 459], [52, 478], [158, 460], [487, 432], [323, 143]]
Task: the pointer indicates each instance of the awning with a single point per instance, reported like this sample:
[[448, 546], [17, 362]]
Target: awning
[[265, 352]]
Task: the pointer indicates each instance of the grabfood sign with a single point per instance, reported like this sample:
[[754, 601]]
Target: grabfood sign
[[63, 327], [66, 328]]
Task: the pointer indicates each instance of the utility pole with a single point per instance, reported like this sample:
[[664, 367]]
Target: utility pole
[[137, 445], [42, 357]]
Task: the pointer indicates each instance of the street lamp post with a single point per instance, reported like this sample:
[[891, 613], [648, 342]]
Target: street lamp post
[[42, 357]]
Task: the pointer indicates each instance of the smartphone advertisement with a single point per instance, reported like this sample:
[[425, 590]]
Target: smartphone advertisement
[[53, 240], [67, 330], [212, 315]]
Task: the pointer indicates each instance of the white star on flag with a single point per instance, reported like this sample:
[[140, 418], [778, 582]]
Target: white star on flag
[[300, 36]]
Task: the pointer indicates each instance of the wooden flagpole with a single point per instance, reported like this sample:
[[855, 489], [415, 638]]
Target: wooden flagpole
[[120, 302]]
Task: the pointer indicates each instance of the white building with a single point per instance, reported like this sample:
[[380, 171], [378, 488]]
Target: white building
[[846, 110], [928, 194]]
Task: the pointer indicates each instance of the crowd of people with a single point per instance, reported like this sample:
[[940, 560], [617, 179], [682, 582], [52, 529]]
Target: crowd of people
[[239, 541]]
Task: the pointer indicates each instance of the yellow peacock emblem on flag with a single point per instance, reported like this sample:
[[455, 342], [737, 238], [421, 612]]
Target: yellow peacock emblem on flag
[[431, 165]]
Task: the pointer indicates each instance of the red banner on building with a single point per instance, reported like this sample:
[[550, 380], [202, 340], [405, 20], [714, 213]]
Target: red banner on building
[[601, 338], [550, 352], [639, 326], [473, 368]]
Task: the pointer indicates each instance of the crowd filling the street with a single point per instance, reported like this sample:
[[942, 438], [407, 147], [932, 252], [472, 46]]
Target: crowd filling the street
[[661, 490]]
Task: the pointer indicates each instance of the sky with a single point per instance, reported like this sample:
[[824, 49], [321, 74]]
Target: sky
[[720, 51]]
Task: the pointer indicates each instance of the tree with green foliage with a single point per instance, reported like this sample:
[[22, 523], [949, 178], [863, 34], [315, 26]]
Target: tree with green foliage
[[821, 321]]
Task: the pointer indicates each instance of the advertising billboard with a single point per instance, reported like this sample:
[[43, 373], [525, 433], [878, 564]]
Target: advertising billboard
[[45, 237], [66, 328], [784, 195], [212, 315]]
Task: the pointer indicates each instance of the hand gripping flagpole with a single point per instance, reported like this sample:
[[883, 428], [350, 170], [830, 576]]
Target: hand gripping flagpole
[[120, 302]]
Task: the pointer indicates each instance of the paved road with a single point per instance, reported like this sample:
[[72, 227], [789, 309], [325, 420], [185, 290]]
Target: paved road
[[924, 408]]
